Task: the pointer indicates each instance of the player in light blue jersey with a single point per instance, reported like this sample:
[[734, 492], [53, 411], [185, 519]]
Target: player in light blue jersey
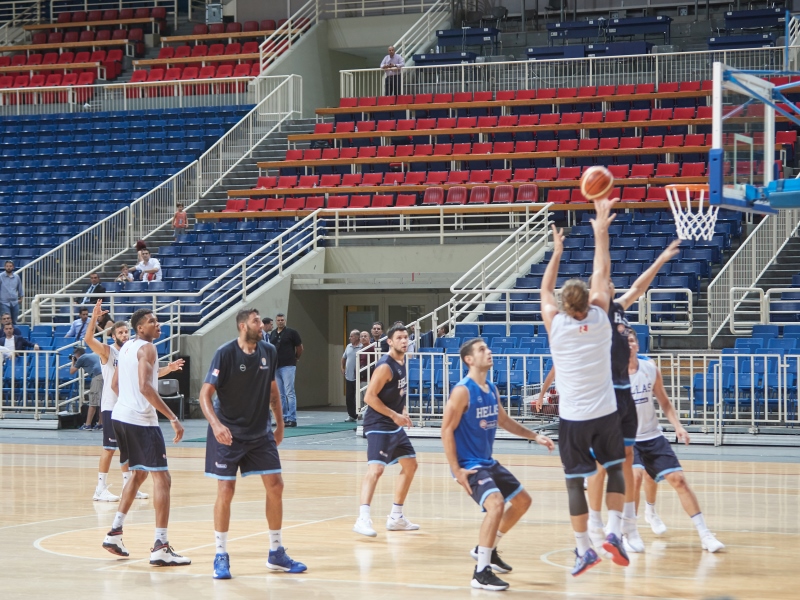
[[471, 417]]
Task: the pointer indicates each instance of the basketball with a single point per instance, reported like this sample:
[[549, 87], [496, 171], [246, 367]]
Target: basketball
[[596, 183]]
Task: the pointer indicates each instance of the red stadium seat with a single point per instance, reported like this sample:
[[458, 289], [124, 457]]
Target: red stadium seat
[[619, 171], [256, 204], [110, 15], [351, 179], [266, 183], [34, 59], [643, 171], [64, 17], [330, 180], [359, 201], [166, 52], [633, 194], [434, 195], [656, 194], [274, 204], [501, 176], [268, 25], [667, 170], [480, 194], [406, 200], [315, 202], [503, 194], [528, 192], [294, 203], [234, 27], [86, 36], [456, 195], [233, 49], [382, 201], [79, 16], [250, 26], [216, 50], [235, 205], [337, 202], [558, 196], [200, 29]]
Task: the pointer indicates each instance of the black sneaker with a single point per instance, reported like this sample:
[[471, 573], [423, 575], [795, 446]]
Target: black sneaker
[[497, 563], [487, 580], [291, 423]]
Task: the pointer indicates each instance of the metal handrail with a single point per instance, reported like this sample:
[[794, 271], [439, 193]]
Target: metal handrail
[[420, 33], [282, 39]]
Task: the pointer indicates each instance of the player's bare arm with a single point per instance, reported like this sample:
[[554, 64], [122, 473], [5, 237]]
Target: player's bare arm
[[548, 381], [644, 280], [548, 296], [147, 358], [380, 377], [175, 365], [277, 412], [455, 408], [601, 269], [102, 350], [222, 433], [115, 382], [669, 410], [514, 428]]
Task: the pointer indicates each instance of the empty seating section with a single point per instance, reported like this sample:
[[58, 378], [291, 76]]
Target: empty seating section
[[61, 173]]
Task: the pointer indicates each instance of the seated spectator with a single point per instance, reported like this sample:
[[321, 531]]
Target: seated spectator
[[79, 325], [16, 343], [124, 275], [104, 323], [443, 331], [95, 287], [5, 319], [150, 267]]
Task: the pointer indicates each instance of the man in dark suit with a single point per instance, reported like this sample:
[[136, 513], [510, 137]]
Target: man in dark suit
[[16, 343], [94, 293], [5, 319]]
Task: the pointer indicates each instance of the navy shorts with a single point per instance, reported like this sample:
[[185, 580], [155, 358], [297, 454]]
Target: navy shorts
[[580, 443], [496, 478], [141, 447], [657, 457], [628, 417], [109, 437], [251, 457], [387, 447]]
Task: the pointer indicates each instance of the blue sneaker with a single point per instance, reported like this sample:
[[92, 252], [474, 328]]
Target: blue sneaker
[[613, 545], [585, 562], [222, 566], [279, 561]]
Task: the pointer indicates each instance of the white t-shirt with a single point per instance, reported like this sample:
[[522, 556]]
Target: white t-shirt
[[581, 353], [9, 344], [642, 384], [149, 266], [132, 407], [109, 398]]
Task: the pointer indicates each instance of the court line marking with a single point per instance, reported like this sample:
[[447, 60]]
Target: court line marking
[[545, 558]]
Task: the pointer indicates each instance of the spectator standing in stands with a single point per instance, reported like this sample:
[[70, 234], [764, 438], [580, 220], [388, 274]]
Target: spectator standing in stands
[[290, 348], [149, 267], [14, 342], [365, 341], [266, 329], [124, 275], [91, 364], [79, 325], [11, 292], [180, 222], [392, 64], [377, 334], [349, 372], [95, 291], [5, 319]]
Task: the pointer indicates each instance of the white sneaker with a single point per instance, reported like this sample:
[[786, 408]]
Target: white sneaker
[[711, 543], [113, 543], [656, 524], [142, 496], [631, 538], [162, 555], [401, 524], [364, 527], [598, 536], [104, 495]]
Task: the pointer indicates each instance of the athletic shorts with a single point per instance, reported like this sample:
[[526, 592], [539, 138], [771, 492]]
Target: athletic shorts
[[95, 390], [628, 417], [581, 442], [656, 457], [387, 447], [496, 478], [141, 447], [109, 437], [251, 457]]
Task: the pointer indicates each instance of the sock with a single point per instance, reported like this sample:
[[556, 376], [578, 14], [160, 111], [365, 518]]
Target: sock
[[397, 511], [629, 510], [497, 538], [615, 522], [101, 481], [275, 539], [119, 520], [595, 519], [364, 512], [583, 542], [125, 476], [484, 557], [700, 523], [649, 509], [221, 541], [161, 535]]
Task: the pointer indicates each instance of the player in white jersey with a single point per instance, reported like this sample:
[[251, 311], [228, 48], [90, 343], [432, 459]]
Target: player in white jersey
[[653, 454], [589, 427], [141, 443], [108, 363]]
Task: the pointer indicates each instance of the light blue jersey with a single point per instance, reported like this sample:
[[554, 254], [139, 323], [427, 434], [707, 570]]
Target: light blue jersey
[[475, 433]]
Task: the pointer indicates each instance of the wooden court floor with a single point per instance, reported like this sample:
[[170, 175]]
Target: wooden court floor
[[51, 531]]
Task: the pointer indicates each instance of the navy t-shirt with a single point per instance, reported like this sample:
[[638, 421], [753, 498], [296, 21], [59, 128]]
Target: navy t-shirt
[[620, 348], [393, 395], [243, 383]]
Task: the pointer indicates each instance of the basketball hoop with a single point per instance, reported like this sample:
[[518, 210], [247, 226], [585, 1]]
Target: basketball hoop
[[692, 222]]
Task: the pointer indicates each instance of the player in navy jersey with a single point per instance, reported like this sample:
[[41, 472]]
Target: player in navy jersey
[[620, 356], [240, 438], [471, 417], [387, 443]]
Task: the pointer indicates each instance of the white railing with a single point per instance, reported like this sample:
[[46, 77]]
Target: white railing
[[73, 260], [438, 16], [13, 15], [746, 267], [281, 41], [751, 306], [593, 71], [338, 9], [87, 5]]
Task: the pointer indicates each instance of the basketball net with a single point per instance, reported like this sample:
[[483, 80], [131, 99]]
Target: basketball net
[[692, 222]]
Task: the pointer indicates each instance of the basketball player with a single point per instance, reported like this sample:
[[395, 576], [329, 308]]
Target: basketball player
[[620, 356], [140, 441], [653, 454], [108, 362], [242, 374], [471, 417], [589, 429], [387, 443]]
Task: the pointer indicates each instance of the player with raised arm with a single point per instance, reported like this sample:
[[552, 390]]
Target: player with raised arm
[[387, 443], [580, 343], [653, 454], [471, 417]]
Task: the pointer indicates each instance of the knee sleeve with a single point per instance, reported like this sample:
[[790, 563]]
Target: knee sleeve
[[615, 484], [577, 497]]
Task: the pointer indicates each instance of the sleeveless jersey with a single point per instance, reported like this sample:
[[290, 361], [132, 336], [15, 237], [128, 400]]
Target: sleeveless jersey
[[475, 433], [109, 398], [581, 353], [620, 348], [132, 407], [393, 395], [642, 384]]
